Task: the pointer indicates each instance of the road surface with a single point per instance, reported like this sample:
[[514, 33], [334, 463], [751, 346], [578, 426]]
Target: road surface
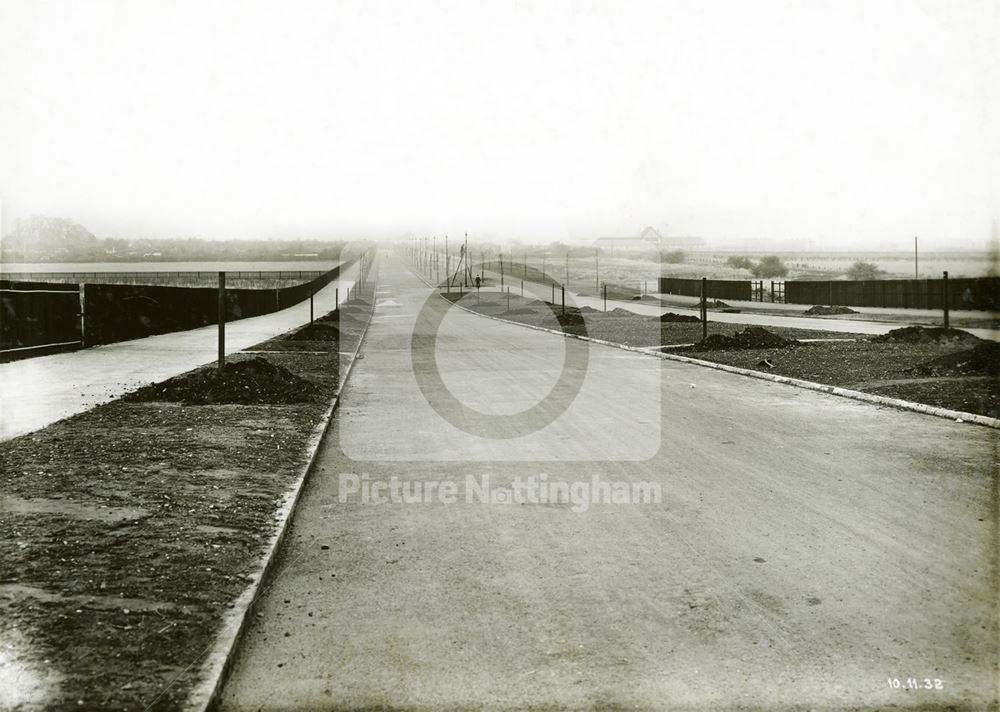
[[35, 392], [806, 549]]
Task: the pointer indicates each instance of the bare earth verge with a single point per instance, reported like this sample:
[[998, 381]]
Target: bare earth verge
[[617, 325], [951, 369], [127, 531]]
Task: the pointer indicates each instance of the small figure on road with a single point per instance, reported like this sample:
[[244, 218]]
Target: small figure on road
[[478, 282]]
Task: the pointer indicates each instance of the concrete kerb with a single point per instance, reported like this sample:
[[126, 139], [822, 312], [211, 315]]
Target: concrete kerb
[[956, 415], [217, 664]]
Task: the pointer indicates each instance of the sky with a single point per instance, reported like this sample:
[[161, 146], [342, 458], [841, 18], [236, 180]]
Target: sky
[[834, 124]]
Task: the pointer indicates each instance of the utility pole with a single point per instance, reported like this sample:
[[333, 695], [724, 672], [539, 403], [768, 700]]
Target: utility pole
[[944, 288], [597, 268], [222, 320], [704, 308]]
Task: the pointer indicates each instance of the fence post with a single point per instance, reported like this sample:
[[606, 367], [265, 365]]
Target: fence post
[[563, 289], [522, 287], [222, 320], [772, 292], [336, 297], [310, 306], [704, 308], [83, 315], [605, 285], [553, 285], [944, 298]]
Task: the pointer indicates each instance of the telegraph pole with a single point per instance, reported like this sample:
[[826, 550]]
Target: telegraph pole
[[597, 268]]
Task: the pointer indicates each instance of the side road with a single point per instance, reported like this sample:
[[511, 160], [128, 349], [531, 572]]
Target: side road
[[38, 391]]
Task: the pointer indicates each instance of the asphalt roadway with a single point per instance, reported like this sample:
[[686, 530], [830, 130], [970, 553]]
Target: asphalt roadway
[[806, 552]]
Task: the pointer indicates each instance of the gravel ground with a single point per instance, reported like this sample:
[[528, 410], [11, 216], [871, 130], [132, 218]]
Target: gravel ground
[[127, 531], [887, 369]]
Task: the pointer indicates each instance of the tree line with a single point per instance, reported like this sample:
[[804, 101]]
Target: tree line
[[47, 239]]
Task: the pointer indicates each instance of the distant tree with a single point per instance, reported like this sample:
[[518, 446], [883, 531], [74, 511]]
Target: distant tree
[[864, 270], [672, 257], [41, 237], [770, 267], [739, 262]]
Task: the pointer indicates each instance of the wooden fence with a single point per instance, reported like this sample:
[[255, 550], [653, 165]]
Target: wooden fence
[[715, 288], [39, 316], [964, 293]]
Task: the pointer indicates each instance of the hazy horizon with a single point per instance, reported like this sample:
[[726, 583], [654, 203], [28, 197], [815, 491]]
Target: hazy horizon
[[772, 125]]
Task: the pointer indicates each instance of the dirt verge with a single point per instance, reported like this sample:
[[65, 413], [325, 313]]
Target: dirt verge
[[128, 530]]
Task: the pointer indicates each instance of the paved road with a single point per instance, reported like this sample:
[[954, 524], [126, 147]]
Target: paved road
[[805, 550], [850, 326], [38, 391]]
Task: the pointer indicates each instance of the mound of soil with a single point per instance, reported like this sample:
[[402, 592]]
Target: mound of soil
[[317, 331], [683, 318], [253, 381], [570, 317], [345, 319], [982, 360], [588, 310], [716, 303], [925, 335], [752, 337], [828, 311], [619, 312]]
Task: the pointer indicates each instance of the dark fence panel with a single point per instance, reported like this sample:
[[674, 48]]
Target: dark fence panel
[[118, 312], [38, 313], [170, 277], [715, 288], [963, 293]]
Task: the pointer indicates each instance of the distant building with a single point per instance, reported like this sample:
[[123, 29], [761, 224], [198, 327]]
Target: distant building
[[649, 240]]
